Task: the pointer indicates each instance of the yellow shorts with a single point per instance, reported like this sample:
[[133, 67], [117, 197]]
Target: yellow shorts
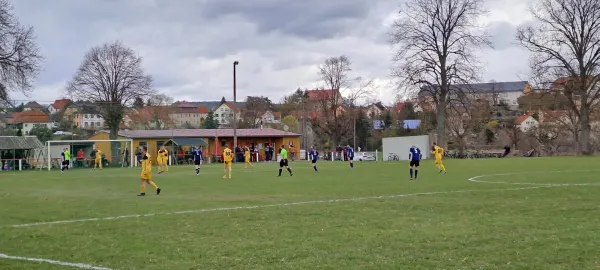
[[247, 160], [146, 176], [438, 160], [160, 162], [227, 163], [98, 161]]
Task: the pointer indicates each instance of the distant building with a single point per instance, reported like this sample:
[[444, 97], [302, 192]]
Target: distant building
[[318, 98], [375, 110], [224, 114], [186, 113], [87, 116], [32, 106], [58, 105], [270, 117], [27, 120], [526, 123], [149, 117], [496, 92]]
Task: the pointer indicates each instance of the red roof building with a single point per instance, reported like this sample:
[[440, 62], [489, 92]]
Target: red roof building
[[60, 104]]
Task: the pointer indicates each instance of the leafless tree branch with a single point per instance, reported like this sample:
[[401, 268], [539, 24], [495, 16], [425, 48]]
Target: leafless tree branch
[[20, 58], [565, 44], [112, 77], [436, 42]]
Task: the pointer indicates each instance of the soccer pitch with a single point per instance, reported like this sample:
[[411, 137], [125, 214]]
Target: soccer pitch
[[516, 213]]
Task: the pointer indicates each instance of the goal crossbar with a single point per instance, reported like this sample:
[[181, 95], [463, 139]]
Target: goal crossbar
[[50, 143]]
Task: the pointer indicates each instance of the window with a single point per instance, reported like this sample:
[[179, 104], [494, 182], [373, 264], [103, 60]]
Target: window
[[223, 143], [159, 144], [85, 115], [92, 124], [25, 125], [86, 124], [92, 116], [98, 124], [143, 144], [98, 116]]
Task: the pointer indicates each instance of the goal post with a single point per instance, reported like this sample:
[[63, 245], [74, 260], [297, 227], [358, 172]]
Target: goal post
[[82, 152]]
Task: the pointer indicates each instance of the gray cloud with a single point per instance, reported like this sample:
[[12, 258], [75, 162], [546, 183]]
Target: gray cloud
[[308, 19], [189, 45], [502, 34]]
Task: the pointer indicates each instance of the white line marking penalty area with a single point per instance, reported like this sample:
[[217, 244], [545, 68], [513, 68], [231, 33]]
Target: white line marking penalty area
[[260, 206], [475, 179], [75, 265]]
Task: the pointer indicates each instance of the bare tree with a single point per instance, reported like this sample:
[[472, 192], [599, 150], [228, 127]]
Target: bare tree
[[546, 135], [20, 58], [436, 42], [254, 110], [336, 99], [467, 117], [565, 42], [159, 109], [112, 77]]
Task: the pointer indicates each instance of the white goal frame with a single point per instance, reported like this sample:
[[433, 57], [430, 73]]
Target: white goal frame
[[49, 144]]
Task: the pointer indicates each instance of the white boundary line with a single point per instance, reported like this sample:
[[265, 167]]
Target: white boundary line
[[91, 267], [76, 265], [258, 206], [474, 179]]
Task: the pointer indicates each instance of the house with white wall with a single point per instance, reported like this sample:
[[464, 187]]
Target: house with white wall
[[184, 113], [224, 114], [27, 120], [270, 117], [526, 123], [87, 116], [58, 105], [375, 110]]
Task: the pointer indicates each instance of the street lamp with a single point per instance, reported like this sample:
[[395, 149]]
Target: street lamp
[[234, 110]]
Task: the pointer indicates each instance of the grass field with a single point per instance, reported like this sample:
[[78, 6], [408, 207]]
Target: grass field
[[524, 220]]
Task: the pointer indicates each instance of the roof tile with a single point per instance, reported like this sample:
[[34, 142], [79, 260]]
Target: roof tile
[[205, 133]]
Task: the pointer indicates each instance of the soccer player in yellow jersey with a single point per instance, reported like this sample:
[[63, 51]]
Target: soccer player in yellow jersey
[[146, 176], [98, 161], [438, 152], [227, 159], [247, 157], [162, 159]]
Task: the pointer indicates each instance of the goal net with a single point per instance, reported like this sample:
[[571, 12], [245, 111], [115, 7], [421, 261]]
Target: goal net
[[115, 153]]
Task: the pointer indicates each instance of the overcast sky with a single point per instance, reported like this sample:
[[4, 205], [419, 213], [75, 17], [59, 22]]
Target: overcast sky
[[189, 45]]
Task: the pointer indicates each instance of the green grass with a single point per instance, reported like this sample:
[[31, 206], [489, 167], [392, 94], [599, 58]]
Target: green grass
[[488, 227]]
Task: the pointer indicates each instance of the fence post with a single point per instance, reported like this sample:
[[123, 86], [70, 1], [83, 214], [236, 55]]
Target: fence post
[[20, 164], [376, 155], [332, 156], [136, 160], [169, 160]]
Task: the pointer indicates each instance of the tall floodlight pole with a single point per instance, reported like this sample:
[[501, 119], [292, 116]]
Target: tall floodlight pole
[[234, 109]]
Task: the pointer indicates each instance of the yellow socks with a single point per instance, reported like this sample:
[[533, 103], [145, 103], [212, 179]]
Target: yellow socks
[[153, 185], [143, 188]]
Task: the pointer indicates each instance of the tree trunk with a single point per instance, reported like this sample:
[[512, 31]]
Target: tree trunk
[[461, 145], [441, 122], [584, 137]]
